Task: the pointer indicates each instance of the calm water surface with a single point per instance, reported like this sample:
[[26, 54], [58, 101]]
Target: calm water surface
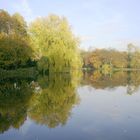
[[63, 107]]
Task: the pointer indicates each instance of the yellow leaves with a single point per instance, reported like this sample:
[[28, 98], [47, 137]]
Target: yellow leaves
[[99, 57], [96, 75], [53, 38], [106, 69]]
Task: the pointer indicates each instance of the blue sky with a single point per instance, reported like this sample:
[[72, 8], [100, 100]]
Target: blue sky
[[99, 23]]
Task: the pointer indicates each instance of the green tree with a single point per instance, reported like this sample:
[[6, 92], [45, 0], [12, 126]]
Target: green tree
[[14, 51], [53, 38], [5, 22], [14, 24], [20, 25]]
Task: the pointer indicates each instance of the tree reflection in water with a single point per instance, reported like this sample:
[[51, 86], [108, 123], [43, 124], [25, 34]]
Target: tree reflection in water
[[53, 105], [14, 102], [49, 100], [99, 80]]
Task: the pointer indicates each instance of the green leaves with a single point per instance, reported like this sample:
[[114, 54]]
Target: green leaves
[[53, 38], [15, 48], [50, 37], [14, 51], [14, 24]]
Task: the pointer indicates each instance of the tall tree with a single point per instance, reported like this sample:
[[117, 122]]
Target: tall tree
[[14, 51], [5, 22], [53, 38], [19, 24]]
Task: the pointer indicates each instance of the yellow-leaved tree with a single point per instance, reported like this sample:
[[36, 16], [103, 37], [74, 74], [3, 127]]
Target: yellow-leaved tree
[[54, 44]]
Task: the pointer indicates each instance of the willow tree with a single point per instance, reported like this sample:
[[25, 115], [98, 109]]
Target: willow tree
[[53, 39]]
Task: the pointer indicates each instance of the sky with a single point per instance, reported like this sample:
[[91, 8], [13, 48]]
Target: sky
[[98, 23]]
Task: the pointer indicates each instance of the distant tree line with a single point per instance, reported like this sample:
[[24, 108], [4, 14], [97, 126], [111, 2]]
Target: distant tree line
[[108, 59]]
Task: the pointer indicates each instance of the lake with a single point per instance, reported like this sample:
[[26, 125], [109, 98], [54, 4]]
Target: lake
[[82, 106]]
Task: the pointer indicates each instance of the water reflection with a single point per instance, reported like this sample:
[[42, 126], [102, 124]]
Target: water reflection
[[99, 80], [47, 100], [53, 105], [50, 100], [14, 102]]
